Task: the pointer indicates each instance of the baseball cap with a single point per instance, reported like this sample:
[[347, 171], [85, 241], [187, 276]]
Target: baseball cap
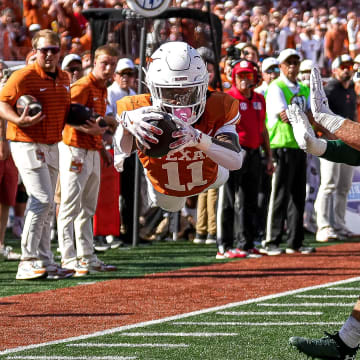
[[286, 54], [268, 62], [124, 63], [68, 59], [243, 66], [34, 27], [306, 65], [340, 60]]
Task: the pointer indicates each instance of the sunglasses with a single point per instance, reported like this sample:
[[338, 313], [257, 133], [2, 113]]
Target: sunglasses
[[126, 73], [346, 66], [53, 49], [272, 70], [73, 69], [292, 62], [245, 75]]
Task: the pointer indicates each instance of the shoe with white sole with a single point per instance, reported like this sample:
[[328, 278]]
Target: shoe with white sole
[[91, 265], [326, 234], [30, 269], [56, 272], [7, 253]]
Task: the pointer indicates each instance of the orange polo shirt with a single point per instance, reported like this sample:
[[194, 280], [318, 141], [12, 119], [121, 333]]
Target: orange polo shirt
[[89, 92], [54, 96]]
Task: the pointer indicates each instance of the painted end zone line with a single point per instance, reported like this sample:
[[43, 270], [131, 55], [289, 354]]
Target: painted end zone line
[[176, 317]]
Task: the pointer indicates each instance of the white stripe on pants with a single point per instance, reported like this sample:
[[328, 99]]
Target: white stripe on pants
[[79, 194], [39, 178], [336, 180]]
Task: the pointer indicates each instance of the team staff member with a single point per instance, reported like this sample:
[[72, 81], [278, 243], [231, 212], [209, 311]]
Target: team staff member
[[238, 197], [80, 169], [34, 147]]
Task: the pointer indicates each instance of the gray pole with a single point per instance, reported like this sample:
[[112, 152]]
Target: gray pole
[[135, 234]]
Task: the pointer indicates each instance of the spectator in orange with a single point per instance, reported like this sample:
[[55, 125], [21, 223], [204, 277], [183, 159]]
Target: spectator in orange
[[335, 39], [36, 13], [34, 147], [76, 47], [62, 10], [85, 40]]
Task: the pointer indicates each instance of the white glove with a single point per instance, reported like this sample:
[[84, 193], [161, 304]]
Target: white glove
[[135, 121], [352, 30], [188, 137], [320, 105], [304, 133]]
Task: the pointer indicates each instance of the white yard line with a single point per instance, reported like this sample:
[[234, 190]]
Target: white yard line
[[328, 296], [307, 304], [345, 289], [180, 316], [262, 313], [238, 323], [128, 345], [179, 334], [72, 357]]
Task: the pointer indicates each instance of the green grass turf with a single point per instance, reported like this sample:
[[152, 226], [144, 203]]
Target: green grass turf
[[131, 262], [250, 342]]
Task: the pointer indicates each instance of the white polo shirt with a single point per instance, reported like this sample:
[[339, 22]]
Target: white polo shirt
[[275, 99]]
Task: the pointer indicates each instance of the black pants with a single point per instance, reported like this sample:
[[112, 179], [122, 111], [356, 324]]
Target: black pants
[[238, 208], [287, 199]]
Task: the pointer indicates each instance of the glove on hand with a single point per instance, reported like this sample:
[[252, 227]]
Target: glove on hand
[[320, 105], [304, 133], [135, 121]]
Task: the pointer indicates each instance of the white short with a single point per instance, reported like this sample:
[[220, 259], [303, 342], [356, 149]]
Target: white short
[[175, 203]]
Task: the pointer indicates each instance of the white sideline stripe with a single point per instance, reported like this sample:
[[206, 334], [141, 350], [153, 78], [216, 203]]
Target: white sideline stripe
[[181, 316], [327, 296], [308, 304], [345, 288], [72, 357], [241, 313], [129, 345], [236, 323], [180, 334]]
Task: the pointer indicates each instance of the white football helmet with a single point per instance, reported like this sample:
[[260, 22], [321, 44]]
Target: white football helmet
[[178, 80]]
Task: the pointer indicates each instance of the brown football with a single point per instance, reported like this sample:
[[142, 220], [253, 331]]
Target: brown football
[[34, 105], [167, 125]]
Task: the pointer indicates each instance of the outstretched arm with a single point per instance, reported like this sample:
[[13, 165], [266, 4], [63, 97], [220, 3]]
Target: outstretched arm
[[344, 129], [303, 132]]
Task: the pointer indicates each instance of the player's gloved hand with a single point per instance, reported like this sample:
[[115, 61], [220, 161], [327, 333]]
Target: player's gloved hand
[[135, 121], [304, 133], [352, 28], [188, 136], [320, 105]]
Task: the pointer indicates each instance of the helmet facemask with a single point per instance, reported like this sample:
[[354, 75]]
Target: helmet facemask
[[178, 79]]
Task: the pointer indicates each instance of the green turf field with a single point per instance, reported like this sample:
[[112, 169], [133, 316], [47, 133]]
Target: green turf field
[[257, 329], [131, 262]]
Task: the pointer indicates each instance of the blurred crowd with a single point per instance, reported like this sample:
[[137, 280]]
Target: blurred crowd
[[318, 31]]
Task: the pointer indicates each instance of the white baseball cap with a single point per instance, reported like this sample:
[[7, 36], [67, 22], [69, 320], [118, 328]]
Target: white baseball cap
[[68, 59], [124, 63], [340, 60], [306, 65], [286, 54], [269, 62], [34, 27]]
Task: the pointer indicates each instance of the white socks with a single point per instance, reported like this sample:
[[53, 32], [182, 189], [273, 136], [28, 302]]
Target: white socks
[[350, 332]]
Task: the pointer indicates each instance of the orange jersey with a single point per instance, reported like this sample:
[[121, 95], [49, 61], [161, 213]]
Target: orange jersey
[[86, 91], [190, 171], [54, 96]]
